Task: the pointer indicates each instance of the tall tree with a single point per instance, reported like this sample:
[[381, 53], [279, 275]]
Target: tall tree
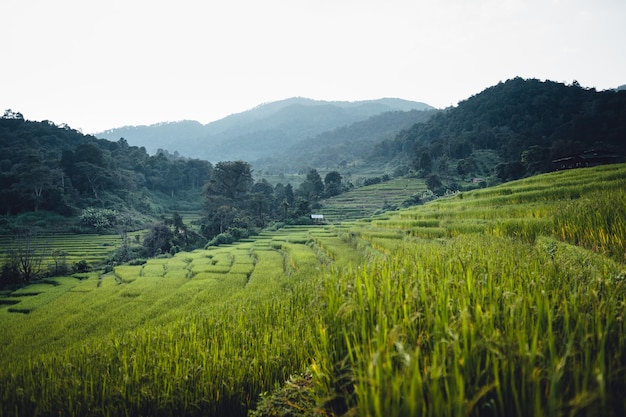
[[312, 187], [230, 179], [332, 183]]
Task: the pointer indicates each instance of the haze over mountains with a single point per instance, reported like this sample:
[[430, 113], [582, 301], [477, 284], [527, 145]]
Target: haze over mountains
[[266, 130]]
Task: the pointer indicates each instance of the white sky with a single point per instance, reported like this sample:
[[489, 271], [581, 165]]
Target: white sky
[[99, 64]]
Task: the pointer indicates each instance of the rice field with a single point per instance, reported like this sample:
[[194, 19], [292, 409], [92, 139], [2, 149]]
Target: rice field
[[93, 249], [370, 200], [507, 301]]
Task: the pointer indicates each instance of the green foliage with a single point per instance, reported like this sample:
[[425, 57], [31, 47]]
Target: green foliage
[[312, 188], [170, 236], [99, 219], [528, 123], [80, 171], [221, 239]]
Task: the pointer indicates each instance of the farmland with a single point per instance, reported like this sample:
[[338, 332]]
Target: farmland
[[504, 301], [367, 201]]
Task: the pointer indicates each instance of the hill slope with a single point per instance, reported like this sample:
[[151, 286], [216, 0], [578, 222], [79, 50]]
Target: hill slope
[[257, 133], [506, 301], [528, 123], [345, 146], [56, 168]]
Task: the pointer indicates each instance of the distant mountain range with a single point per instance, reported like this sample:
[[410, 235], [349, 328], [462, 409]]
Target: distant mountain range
[[263, 132]]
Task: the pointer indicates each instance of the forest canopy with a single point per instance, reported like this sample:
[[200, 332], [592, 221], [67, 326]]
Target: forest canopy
[[48, 167], [528, 123]]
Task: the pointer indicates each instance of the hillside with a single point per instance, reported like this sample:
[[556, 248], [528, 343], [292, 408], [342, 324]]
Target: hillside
[[263, 131], [345, 147], [505, 301], [50, 168], [529, 123]]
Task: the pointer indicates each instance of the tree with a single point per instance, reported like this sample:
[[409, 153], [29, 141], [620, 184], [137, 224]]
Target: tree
[[510, 171], [173, 178], [466, 166], [230, 179], [332, 183], [158, 240], [224, 216], [312, 187], [536, 159], [34, 179], [13, 115], [26, 257], [197, 172], [433, 183]]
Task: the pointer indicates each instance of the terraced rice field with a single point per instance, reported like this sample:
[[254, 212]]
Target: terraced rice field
[[507, 301], [366, 201], [92, 248]]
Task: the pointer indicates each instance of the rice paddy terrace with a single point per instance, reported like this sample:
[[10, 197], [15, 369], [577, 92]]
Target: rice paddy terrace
[[92, 248], [367, 201], [505, 301]]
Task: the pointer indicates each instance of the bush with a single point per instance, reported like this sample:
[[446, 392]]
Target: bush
[[239, 232], [221, 239], [10, 274], [82, 266], [99, 219]]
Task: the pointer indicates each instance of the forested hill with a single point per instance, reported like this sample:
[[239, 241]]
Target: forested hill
[[346, 145], [264, 131], [529, 123], [56, 168]]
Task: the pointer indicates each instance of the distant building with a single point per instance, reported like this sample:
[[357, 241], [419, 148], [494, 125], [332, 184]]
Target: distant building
[[587, 159], [317, 218]]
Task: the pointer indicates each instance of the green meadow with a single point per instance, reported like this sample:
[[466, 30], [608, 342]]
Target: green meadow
[[503, 301]]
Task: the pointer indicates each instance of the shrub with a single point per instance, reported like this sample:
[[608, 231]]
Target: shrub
[[99, 219], [221, 239], [82, 266]]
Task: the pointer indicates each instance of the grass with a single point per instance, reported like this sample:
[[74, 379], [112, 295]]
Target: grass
[[506, 301]]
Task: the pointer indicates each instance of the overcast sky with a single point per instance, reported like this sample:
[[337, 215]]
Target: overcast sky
[[99, 64]]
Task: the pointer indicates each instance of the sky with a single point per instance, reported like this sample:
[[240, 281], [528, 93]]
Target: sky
[[101, 64]]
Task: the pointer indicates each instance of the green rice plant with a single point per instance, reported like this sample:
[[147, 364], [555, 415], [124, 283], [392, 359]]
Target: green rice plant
[[128, 273], [231, 343], [480, 325], [597, 222], [200, 276], [524, 228], [368, 318], [155, 268]]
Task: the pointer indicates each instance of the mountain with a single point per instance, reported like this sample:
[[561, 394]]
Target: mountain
[[261, 132], [346, 145], [527, 123]]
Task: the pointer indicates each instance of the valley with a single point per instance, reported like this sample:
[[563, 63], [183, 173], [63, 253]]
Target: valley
[[429, 309]]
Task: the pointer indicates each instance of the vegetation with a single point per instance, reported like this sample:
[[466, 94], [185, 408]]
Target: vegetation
[[267, 131], [435, 295], [60, 170], [506, 300], [526, 123]]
